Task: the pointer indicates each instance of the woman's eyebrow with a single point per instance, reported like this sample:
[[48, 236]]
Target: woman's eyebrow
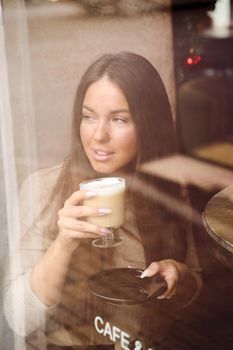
[[121, 110], [88, 108]]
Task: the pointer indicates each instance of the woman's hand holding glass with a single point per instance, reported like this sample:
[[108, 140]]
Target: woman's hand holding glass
[[72, 226], [47, 278]]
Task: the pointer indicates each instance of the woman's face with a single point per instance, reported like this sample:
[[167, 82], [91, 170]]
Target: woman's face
[[107, 130]]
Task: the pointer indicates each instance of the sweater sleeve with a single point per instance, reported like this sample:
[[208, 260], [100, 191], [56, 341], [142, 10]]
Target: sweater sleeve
[[24, 311]]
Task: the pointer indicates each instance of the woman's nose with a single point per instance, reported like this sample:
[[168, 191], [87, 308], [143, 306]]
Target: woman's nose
[[101, 132]]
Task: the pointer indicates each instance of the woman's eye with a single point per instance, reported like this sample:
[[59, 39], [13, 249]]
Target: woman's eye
[[88, 118], [120, 120]]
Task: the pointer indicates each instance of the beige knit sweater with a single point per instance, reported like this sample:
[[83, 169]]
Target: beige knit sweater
[[24, 311]]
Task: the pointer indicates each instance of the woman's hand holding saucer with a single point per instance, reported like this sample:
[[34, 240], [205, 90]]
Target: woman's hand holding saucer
[[172, 271]]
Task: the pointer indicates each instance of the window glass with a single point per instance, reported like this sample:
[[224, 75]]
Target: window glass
[[138, 95]]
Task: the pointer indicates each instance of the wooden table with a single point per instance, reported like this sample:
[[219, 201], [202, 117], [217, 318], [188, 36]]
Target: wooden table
[[218, 222]]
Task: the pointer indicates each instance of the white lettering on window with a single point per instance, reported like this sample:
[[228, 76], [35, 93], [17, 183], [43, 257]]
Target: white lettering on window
[[116, 333], [107, 331], [99, 319], [112, 332], [125, 339]]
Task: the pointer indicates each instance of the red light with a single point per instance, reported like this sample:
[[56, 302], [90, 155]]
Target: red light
[[198, 59], [194, 59], [189, 60]]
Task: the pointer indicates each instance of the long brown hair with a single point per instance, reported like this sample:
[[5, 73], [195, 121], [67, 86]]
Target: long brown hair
[[149, 105]]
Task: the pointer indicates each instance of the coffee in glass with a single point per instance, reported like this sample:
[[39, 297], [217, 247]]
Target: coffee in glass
[[110, 193]]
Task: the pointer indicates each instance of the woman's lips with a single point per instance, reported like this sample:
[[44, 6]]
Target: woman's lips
[[101, 155]]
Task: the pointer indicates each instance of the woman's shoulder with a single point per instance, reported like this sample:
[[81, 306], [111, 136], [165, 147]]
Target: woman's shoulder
[[35, 192], [44, 177], [40, 183]]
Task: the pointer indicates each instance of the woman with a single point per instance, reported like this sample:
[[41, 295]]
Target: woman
[[122, 118]]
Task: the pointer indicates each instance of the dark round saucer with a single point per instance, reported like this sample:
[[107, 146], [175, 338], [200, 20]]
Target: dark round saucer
[[124, 286]]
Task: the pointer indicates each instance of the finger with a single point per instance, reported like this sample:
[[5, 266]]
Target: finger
[[82, 211], [81, 235], [151, 270], [78, 196], [171, 287], [171, 294], [81, 226]]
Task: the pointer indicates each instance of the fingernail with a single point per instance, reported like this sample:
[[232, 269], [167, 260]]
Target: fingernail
[[144, 274], [161, 297], [105, 231], [104, 211], [90, 194]]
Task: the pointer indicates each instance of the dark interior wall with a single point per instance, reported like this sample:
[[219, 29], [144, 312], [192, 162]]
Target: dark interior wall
[[204, 116]]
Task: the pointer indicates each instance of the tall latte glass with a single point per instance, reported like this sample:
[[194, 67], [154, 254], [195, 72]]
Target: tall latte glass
[[110, 193]]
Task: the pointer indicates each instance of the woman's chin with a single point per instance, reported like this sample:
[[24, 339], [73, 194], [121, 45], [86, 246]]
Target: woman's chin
[[104, 170]]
